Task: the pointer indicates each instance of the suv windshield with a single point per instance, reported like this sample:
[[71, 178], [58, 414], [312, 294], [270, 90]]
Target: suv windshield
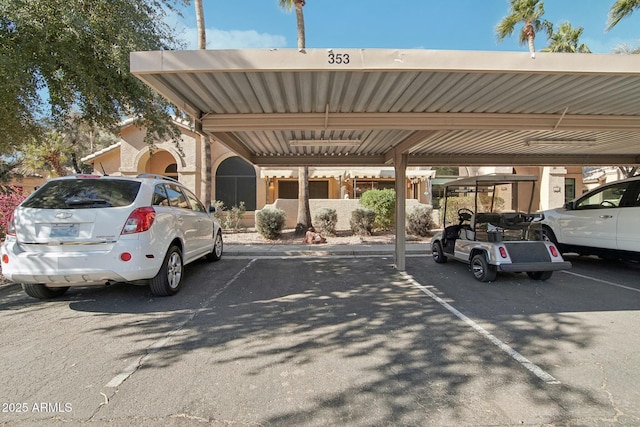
[[83, 194]]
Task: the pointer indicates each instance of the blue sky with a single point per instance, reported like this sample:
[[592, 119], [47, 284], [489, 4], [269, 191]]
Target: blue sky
[[408, 24]]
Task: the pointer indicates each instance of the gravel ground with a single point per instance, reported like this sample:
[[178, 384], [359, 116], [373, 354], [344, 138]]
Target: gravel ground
[[288, 237]]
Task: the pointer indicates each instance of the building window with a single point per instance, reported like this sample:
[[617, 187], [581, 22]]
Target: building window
[[317, 189], [235, 183], [171, 170], [362, 186]]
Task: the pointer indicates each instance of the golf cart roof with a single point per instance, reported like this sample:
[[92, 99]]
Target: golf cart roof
[[490, 179]]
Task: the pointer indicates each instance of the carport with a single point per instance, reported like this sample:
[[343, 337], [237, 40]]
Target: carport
[[374, 107]]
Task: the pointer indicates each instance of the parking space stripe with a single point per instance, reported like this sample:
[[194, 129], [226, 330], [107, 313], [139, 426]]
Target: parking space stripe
[[606, 282], [533, 368], [160, 343]]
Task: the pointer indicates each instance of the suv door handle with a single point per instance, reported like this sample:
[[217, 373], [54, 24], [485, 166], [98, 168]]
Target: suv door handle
[[606, 216]]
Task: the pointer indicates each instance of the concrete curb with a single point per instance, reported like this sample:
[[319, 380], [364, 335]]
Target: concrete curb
[[266, 250]]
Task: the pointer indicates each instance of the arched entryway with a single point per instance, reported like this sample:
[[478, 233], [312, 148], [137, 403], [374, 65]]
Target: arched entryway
[[235, 183], [159, 162]]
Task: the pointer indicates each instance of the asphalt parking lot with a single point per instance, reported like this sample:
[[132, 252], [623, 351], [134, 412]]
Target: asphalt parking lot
[[331, 340]]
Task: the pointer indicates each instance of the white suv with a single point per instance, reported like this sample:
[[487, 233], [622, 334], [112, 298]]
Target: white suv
[[604, 221], [89, 230]]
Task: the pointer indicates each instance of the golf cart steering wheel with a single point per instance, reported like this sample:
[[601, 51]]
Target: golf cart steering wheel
[[464, 214]]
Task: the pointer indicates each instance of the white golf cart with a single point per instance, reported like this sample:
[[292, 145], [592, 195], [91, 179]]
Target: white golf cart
[[486, 228]]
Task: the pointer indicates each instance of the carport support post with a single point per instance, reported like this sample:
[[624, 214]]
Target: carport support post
[[400, 165]]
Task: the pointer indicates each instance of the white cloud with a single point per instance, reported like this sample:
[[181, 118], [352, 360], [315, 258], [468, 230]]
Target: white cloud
[[234, 39]]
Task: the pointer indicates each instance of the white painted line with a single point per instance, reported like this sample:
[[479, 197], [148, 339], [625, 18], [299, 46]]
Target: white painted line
[[535, 369], [160, 343], [606, 282]]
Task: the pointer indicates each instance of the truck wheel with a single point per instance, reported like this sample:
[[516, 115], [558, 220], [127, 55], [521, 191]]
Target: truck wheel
[[169, 278], [539, 275], [438, 253], [482, 270], [42, 291]]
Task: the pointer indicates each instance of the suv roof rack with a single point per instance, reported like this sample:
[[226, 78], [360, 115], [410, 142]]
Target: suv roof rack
[[156, 176]]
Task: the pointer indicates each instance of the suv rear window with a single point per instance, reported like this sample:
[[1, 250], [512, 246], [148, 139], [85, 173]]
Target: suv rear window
[[83, 194]]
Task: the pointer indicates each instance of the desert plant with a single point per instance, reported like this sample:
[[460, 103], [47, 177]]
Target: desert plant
[[217, 214], [325, 221], [234, 217], [383, 203], [269, 222], [419, 221], [362, 221]]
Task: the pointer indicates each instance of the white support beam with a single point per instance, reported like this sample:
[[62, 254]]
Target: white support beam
[[231, 142], [414, 140], [400, 166], [417, 121]]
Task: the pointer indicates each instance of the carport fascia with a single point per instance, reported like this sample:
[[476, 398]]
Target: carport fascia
[[233, 96]]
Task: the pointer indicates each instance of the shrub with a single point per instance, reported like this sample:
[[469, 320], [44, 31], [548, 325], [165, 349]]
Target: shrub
[[419, 221], [383, 203], [269, 222], [325, 221], [9, 200], [219, 205], [234, 217], [362, 221]]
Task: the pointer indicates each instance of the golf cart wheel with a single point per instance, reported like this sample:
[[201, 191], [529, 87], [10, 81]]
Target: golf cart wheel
[[539, 275], [438, 253], [482, 270], [42, 291]]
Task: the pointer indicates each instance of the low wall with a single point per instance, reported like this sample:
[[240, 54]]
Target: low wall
[[343, 208]]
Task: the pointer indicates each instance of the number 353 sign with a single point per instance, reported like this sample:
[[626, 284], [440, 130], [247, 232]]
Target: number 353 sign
[[338, 58]]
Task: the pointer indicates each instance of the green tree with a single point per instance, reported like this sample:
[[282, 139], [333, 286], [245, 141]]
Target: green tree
[[84, 139], [303, 221], [49, 153], [626, 49], [528, 12], [61, 55], [567, 39], [621, 9]]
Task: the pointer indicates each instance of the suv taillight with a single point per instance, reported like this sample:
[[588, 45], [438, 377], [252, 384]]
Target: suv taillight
[[11, 226], [140, 220]]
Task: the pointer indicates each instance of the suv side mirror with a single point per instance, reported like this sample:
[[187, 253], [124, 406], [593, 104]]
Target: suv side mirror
[[212, 209], [570, 205]]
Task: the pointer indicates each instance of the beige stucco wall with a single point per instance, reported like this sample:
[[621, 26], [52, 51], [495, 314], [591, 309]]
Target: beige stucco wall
[[343, 208]]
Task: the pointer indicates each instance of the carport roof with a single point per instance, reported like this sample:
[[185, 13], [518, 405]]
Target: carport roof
[[359, 106]]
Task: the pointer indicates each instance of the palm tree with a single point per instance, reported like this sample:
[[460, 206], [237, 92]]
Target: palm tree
[[626, 49], [530, 13], [303, 221], [619, 10], [202, 44], [297, 4], [49, 154], [202, 35], [566, 40]]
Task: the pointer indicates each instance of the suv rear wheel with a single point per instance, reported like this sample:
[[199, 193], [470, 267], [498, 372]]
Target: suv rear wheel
[[42, 291], [216, 252], [169, 278]]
